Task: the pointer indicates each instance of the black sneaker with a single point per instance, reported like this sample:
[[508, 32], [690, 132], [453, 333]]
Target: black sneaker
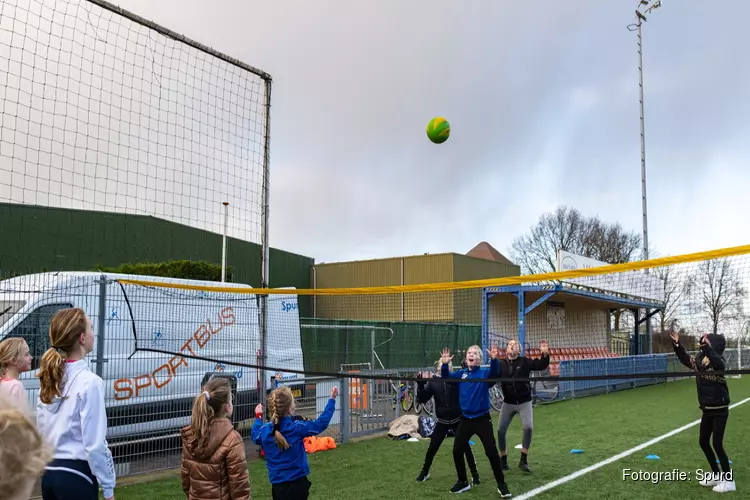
[[524, 465], [423, 476], [504, 491], [475, 479], [504, 462], [460, 487]]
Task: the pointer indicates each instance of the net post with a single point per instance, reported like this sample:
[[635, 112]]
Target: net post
[[265, 253], [522, 321], [739, 355], [101, 325], [345, 430]]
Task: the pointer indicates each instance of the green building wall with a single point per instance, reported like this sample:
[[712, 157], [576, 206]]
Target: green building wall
[[36, 238]]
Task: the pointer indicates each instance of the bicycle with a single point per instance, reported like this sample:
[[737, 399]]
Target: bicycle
[[405, 396], [428, 407], [544, 391]]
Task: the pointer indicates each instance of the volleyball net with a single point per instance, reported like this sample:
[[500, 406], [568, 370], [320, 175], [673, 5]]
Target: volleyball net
[[598, 323]]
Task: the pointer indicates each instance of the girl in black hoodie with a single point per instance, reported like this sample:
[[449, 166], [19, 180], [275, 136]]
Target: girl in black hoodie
[[448, 412], [713, 400]]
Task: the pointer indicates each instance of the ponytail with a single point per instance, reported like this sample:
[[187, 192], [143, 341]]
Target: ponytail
[[203, 417], [207, 406], [280, 404], [65, 330], [51, 372]]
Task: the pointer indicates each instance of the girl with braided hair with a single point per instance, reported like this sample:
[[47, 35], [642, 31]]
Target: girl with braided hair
[[282, 440], [213, 466]]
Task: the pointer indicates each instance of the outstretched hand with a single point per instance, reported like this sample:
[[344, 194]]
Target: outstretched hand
[[445, 356], [675, 337], [259, 411], [334, 392], [544, 347], [494, 353]]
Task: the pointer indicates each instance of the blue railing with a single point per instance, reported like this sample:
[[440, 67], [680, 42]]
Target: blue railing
[[625, 366]]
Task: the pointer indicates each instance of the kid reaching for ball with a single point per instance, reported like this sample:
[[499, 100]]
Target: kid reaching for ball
[[713, 400], [474, 398], [282, 440]]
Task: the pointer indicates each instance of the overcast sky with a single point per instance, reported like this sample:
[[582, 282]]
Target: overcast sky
[[543, 101]]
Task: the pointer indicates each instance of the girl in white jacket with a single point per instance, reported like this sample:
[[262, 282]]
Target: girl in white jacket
[[71, 414]]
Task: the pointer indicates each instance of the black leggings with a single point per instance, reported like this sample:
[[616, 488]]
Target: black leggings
[[436, 439], [714, 422], [299, 489], [482, 427]]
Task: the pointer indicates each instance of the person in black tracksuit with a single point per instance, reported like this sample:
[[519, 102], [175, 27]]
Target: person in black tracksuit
[[517, 398], [448, 413], [713, 400]]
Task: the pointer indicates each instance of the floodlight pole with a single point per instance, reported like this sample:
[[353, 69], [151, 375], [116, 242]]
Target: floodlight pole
[[640, 18]]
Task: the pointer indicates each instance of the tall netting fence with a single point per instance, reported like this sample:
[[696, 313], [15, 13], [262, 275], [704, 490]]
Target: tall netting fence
[[606, 330], [124, 142]]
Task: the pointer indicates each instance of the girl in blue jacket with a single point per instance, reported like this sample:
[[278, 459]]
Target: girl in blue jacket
[[474, 398], [282, 440]]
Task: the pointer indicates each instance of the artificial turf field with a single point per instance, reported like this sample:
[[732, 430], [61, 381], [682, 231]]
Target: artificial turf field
[[602, 426]]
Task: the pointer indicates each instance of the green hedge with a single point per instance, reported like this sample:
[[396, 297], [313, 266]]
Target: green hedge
[[184, 269]]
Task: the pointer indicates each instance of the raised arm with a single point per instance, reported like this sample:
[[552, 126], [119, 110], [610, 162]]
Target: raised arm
[[424, 391], [255, 434], [682, 355], [445, 371], [494, 371], [715, 361], [315, 427], [542, 363]]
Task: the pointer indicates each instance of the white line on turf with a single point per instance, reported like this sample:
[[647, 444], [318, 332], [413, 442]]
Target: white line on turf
[[615, 458]]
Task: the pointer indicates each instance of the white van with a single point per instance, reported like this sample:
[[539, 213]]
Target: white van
[[151, 393]]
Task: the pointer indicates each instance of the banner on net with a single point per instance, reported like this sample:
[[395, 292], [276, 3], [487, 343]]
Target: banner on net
[[632, 283]]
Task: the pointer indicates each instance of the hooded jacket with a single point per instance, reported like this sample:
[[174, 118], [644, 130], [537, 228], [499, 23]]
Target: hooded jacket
[[76, 424], [219, 472], [713, 392], [447, 407]]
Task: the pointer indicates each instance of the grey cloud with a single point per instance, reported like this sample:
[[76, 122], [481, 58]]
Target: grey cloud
[[541, 96]]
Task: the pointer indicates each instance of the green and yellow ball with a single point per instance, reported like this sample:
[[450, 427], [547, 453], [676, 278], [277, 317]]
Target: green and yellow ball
[[438, 130]]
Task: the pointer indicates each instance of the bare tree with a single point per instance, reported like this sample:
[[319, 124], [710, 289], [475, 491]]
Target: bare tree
[[718, 290], [675, 293], [567, 229]]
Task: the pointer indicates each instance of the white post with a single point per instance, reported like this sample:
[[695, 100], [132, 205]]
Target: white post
[[224, 243], [739, 355]]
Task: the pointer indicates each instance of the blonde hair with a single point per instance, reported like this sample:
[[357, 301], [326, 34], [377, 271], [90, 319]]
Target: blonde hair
[[23, 452], [476, 348], [66, 327], [10, 350], [207, 406], [280, 403]]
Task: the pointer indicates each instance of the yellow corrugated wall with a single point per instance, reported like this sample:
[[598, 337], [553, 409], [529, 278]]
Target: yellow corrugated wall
[[468, 303]]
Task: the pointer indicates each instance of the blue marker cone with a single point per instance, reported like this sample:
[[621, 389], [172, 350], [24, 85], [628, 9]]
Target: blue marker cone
[[652, 457], [577, 452], [472, 443]]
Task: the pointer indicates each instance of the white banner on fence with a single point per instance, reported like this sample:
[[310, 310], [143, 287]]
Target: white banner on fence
[[633, 283]]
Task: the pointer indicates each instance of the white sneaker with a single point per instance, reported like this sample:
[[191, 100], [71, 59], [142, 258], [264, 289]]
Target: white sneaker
[[724, 487], [708, 481]]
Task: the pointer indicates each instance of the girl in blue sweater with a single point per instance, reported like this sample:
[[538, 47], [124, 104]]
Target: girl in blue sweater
[[474, 398], [282, 440]]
